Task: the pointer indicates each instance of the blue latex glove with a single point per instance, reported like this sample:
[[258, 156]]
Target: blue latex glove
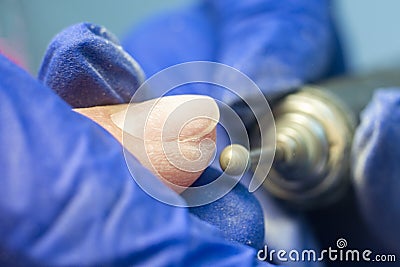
[[278, 44], [238, 214], [86, 66], [376, 153], [68, 198]]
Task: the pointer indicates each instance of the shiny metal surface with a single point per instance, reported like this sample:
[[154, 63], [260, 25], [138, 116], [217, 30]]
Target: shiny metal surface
[[314, 130]]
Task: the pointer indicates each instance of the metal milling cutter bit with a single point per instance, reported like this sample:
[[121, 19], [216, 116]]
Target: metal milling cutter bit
[[313, 139]]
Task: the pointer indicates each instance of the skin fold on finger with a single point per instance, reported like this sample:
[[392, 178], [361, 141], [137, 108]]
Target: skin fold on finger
[[172, 136], [102, 116]]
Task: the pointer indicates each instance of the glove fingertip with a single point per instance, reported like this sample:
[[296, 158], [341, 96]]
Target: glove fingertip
[[376, 153], [86, 66]]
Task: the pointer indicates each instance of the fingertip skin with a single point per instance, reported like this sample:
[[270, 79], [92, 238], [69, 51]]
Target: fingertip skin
[[238, 214], [86, 66], [376, 154]]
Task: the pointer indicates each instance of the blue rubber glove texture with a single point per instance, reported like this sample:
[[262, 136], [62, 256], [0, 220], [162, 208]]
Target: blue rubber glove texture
[[237, 214], [278, 44], [86, 66], [376, 154], [68, 198]]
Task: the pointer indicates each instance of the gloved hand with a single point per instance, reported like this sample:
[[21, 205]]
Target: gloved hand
[[68, 198], [376, 153]]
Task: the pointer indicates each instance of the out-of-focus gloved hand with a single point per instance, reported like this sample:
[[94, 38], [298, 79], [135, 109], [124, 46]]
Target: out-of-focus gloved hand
[[376, 154], [68, 198], [278, 44]]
